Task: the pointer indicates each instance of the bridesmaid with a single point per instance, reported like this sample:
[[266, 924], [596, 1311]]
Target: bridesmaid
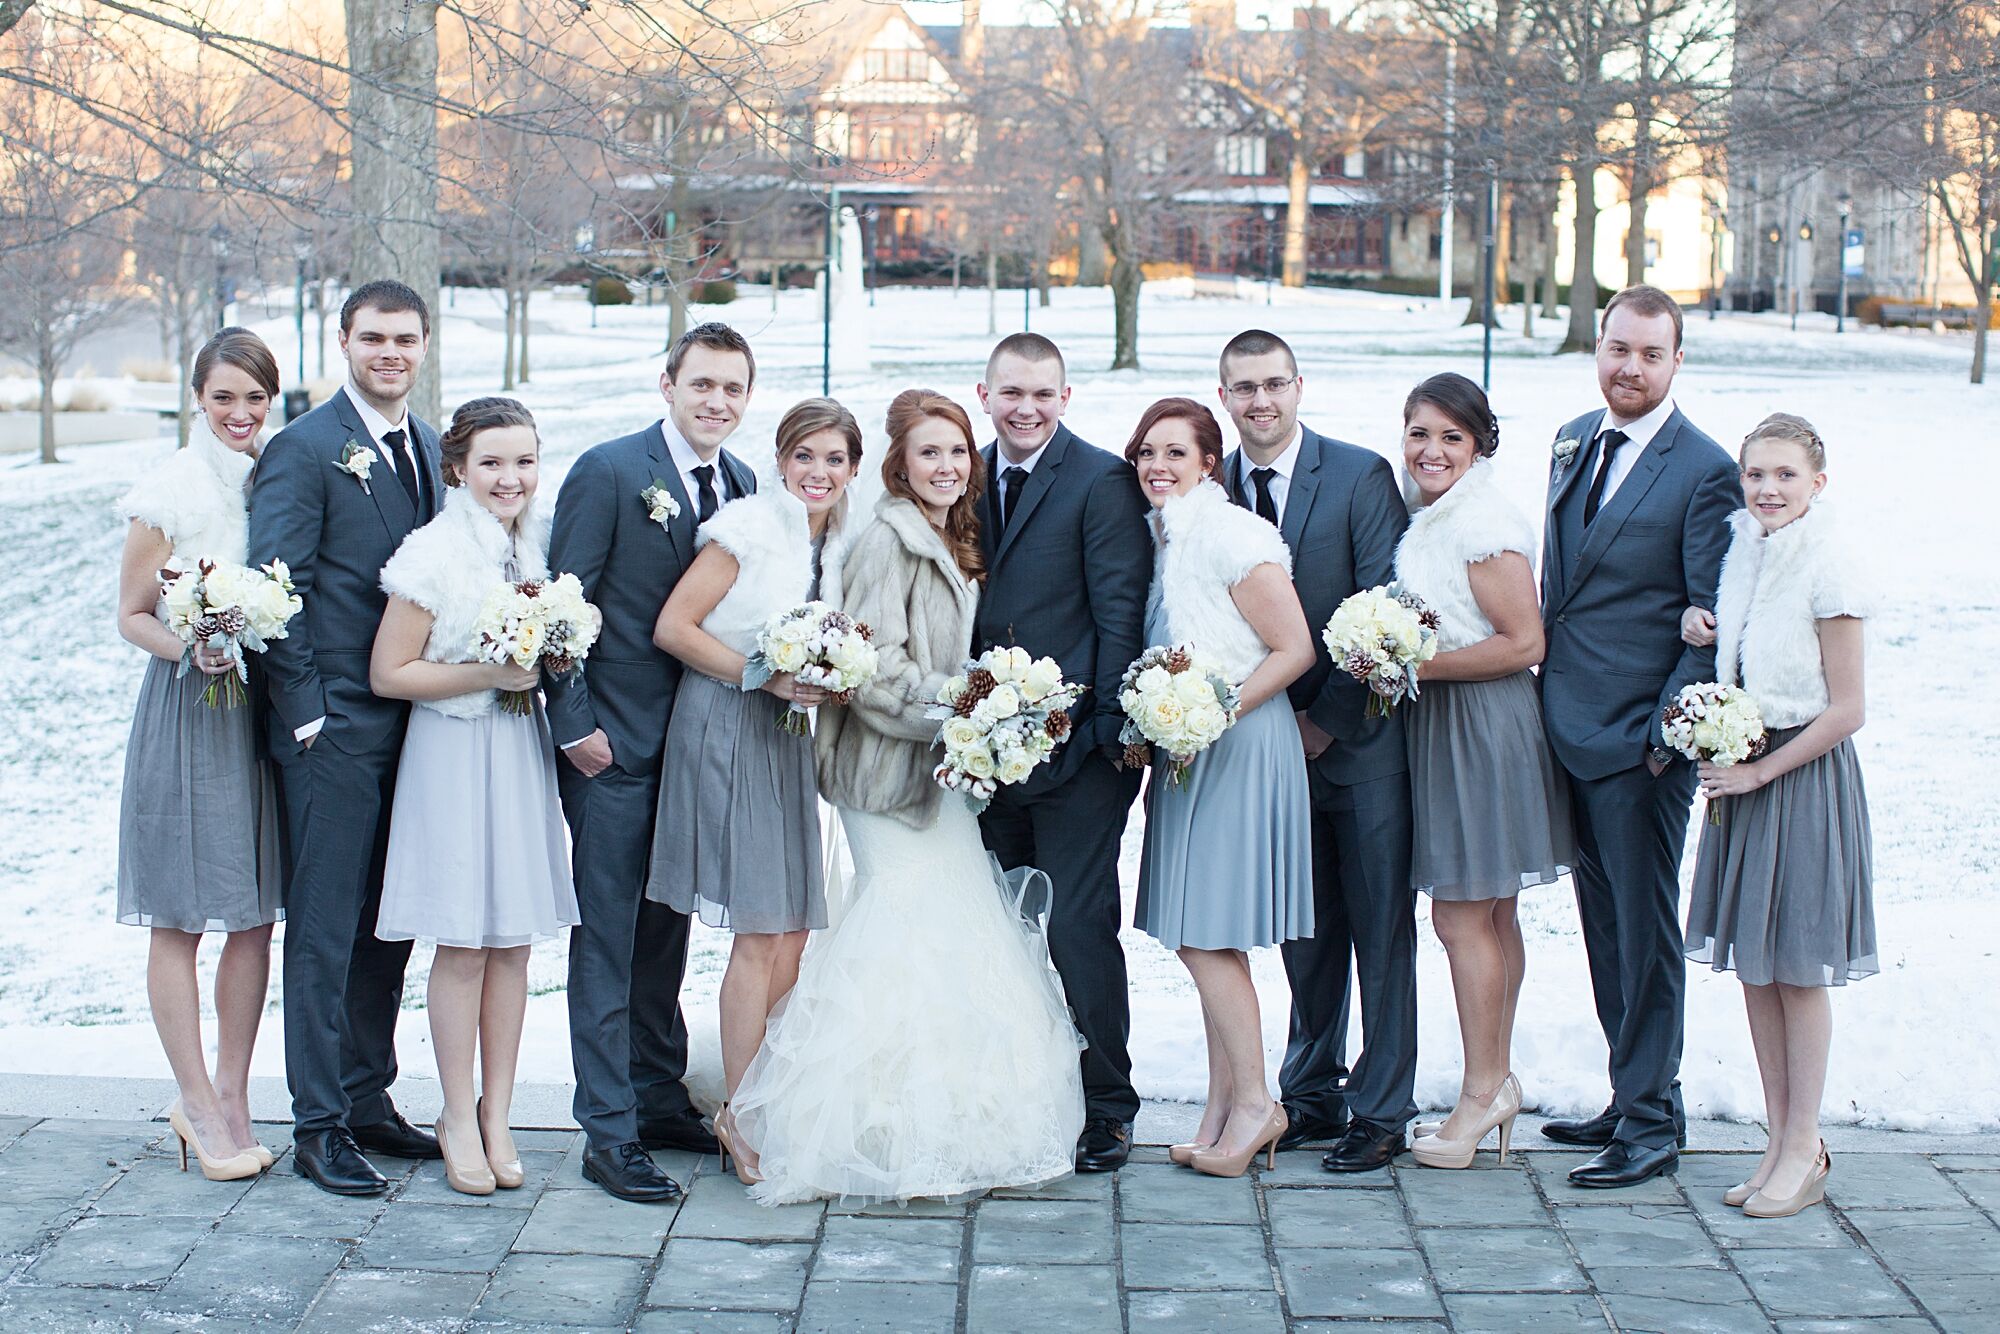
[[198, 829], [1783, 886], [1227, 865], [1491, 815], [738, 833], [477, 859]]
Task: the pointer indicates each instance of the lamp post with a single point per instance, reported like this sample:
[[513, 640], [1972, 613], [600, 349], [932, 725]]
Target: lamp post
[[218, 246], [1714, 258], [874, 240], [1776, 240], [826, 292], [1270, 213], [1487, 318], [1840, 302], [1805, 239], [301, 251]]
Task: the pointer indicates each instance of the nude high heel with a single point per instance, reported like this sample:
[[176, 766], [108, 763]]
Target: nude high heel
[[725, 1135], [1182, 1155], [508, 1175], [1212, 1162], [235, 1167], [1437, 1151], [1811, 1192], [466, 1179]]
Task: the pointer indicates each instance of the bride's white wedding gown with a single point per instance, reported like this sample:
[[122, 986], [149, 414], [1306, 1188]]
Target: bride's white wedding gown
[[927, 1049]]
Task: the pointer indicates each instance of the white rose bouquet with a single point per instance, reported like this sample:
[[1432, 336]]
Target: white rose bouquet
[[1177, 702], [821, 646], [1378, 637], [1004, 714], [228, 609], [1717, 723], [543, 623]]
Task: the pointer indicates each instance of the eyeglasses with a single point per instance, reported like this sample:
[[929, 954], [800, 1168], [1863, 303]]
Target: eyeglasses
[[1272, 388]]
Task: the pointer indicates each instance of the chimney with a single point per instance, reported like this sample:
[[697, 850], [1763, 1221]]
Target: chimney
[[971, 35]]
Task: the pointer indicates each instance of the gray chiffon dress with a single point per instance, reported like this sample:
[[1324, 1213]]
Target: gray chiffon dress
[[1227, 863]]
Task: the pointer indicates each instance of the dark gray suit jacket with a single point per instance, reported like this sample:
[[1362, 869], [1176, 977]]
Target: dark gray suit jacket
[[1343, 518], [1612, 598], [627, 564], [336, 537], [1068, 580]]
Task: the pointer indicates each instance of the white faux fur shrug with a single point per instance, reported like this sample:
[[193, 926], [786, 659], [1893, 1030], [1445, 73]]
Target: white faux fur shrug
[[1470, 523], [1208, 546], [770, 535], [195, 496], [449, 566], [1775, 590]]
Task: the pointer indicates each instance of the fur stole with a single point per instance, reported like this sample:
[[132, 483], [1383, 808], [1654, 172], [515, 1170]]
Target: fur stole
[[196, 497], [770, 536], [1775, 589], [1470, 523], [1208, 545], [449, 566]]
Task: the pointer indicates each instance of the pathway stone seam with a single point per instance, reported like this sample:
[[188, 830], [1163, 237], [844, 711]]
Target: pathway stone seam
[[1118, 1251], [1260, 1195], [1860, 1239], [962, 1319], [652, 1268], [1990, 1215], [1549, 1207]]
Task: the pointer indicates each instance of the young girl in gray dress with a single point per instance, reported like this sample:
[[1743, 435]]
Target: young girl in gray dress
[[1227, 865], [477, 858], [1490, 813], [737, 838], [1783, 885], [198, 831]]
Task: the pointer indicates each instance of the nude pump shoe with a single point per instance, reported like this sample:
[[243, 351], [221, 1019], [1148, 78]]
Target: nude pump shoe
[[1437, 1151], [1212, 1162], [508, 1175], [1812, 1191], [235, 1167], [468, 1178]]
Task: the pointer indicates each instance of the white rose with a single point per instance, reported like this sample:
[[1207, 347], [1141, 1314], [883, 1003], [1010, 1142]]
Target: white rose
[[1153, 680], [1192, 688], [1015, 766], [977, 763], [949, 692], [1164, 714], [1004, 702], [959, 733], [995, 661], [788, 657], [1042, 677], [1207, 721]]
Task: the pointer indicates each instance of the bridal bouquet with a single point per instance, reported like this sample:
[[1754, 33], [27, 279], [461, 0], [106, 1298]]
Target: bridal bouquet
[[821, 646], [1003, 715], [1717, 723], [541, 623], [230, 609], [1378, 637], [1177, 702]]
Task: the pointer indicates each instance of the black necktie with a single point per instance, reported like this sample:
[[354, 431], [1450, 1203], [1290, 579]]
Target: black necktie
[[1607, 445], [406, 468], [707, 503], [1267, 509], [1010, 491]]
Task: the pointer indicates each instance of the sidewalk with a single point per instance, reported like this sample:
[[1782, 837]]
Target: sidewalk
[[99, 1230]]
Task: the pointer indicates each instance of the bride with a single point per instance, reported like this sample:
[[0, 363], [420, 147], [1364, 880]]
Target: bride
[[926, 1049]]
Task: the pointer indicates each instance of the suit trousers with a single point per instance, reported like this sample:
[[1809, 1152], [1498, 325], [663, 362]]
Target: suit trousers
[[1630, 828], [1072, 832], [343, 988], [628, 1038], [1365, 926]]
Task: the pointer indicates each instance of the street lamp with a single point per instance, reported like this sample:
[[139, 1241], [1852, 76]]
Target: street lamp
[[1714, 258], [1805, 239], [218, 246], [873, 214], [1840, 302], [1270, 250], [301, 251]]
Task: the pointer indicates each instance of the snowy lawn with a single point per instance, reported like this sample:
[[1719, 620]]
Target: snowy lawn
[[1918, 1046]]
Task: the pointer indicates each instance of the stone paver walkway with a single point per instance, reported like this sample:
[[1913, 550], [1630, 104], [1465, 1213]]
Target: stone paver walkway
[[99, 1230]]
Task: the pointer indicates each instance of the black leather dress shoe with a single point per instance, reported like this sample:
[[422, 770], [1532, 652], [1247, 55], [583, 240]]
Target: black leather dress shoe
[[1622, 1164], [330, 1160], [1303, 1128], [1365, 1147], [684, 1132], [1104, 1145], [397, 1138], [1597, 1131], [625, 1170]]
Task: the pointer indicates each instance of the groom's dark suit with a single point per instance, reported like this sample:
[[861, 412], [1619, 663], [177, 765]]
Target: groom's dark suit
[[343, 987], [627, 1035], [1067, 578], [1342, 519], [1612, 597]]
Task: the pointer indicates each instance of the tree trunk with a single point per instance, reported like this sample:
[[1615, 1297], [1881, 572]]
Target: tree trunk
[[1503, 246], [391, 44], [183, 360], [321, 309], [1635, 232], [1983, 313], [521, 368], [1093, 260], [1582, 336], [1298, 216], [507, 344], [45, 372], [1528, 295], [1551, 289], [1126, 279], [677, 310], [992, 292]]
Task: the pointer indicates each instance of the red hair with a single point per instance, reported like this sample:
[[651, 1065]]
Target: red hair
[[961, 523]]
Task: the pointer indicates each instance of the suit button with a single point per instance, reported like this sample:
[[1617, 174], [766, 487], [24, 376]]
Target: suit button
[[1562, 618]]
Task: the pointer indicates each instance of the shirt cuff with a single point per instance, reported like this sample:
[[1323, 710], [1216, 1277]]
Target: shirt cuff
[[310, 730], [572, 745]]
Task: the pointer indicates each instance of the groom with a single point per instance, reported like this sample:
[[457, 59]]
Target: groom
[[1068, 561], [625, 526], [1338, 509], [335, 494], [1638, 509]]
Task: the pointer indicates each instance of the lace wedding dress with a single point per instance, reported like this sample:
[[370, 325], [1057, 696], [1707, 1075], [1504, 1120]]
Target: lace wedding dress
[[927, 1050]]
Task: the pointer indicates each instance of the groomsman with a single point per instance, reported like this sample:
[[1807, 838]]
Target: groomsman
[[1069, 562], [1638, 505], [335, 494], [629, 546], [1341, 514]]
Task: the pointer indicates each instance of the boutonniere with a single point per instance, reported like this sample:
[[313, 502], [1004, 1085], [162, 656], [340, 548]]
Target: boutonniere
[[1565, 451], [661, 507], [355, 461]]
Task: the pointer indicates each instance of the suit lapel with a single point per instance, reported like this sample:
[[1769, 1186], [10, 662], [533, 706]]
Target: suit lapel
[[742, 481], [1304, 485], [680, 528], [1232, 479], [1611, 517], [392, 503], [1038, 485], [1559, 488], [432, 458]]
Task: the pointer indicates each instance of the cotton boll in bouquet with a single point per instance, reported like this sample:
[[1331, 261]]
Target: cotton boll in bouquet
[[1176, 702], [1719, 724], [1004, 715], [1379, 636], [821, 646], [229, 609], [543, 623]]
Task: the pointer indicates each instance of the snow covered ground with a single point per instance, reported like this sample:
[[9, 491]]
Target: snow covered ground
[[1913, 464]]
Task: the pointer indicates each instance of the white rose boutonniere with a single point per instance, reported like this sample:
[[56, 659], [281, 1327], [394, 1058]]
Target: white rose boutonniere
[[356, 462], [1565, 452], [661, 507]]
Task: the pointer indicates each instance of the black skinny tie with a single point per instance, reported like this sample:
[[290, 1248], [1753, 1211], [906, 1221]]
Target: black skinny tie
[[704, 475], [1011, 482], [406, 469], [1267, 509], [1607, 445]]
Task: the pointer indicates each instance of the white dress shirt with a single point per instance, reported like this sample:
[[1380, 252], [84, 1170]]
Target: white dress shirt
[[1282, 468], [686, 460], [1638, 434]]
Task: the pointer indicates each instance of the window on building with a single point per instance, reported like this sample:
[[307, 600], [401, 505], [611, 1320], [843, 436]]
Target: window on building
[[1240, 155], [896, 65]]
